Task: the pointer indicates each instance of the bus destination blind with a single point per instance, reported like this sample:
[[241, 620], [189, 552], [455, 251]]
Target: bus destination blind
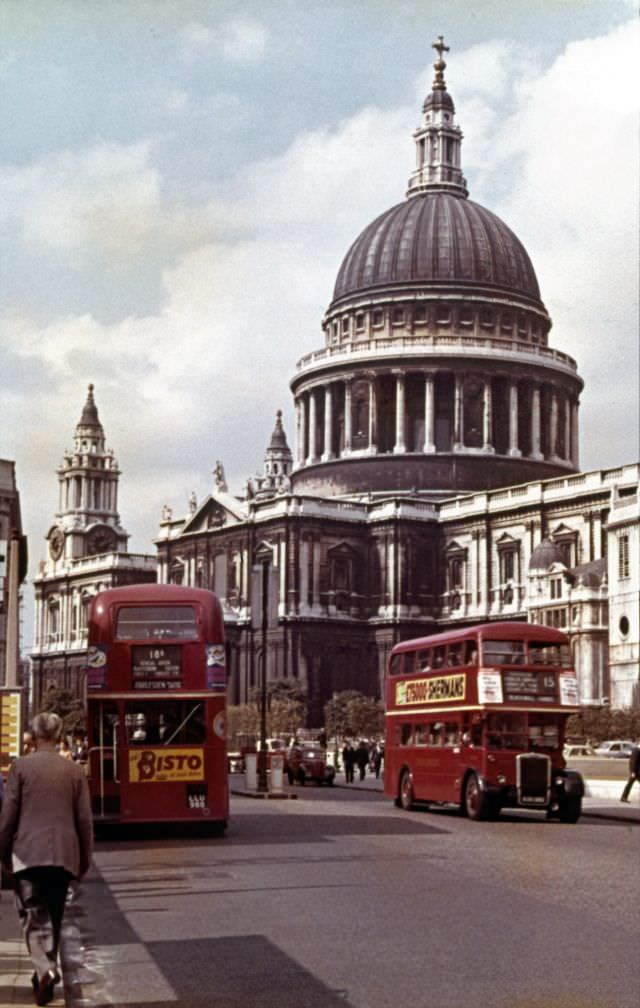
[[154, 667]]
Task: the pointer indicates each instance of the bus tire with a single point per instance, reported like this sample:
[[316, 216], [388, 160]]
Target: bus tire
[[405, 791], [570, 810], [475, 803]]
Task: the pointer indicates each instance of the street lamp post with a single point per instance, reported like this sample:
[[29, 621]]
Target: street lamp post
[[265, 558]]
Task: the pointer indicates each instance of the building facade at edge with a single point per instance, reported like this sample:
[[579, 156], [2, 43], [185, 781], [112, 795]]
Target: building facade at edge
[[435, 479], [86, 553], [13, 569]]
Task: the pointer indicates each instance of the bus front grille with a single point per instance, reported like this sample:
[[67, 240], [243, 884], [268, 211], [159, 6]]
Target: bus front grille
[[533, 779]]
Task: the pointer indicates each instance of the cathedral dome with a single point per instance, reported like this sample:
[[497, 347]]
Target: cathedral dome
[[438, 238], [436, 375], [544, 555]]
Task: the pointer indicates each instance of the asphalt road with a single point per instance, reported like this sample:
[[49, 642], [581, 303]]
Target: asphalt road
[[339, 900]]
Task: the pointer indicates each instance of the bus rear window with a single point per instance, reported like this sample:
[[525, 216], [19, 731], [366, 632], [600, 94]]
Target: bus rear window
[[503, 652], [544, 653], [156, 623]]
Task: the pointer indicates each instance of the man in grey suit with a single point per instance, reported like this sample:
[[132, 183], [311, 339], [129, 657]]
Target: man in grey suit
[[46, 839]]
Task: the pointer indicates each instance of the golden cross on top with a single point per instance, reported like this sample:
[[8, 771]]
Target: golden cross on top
[[439, 65], [439, 46]]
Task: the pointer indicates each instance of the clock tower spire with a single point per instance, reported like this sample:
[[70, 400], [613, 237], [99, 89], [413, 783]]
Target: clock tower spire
[[87, 551]]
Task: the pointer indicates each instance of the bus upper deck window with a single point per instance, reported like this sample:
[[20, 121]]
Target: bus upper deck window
[[438, 656], [395, 666], [470, 653], [156, 623], [424, 661], [454, 655], [409, 662], [503, 652]]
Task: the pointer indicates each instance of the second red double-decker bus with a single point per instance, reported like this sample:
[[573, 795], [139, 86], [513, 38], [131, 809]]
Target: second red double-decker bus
[[477, 718], [156, 706]]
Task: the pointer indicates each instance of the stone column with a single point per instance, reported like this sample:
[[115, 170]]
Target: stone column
[[458, 419], [302, 422], [536, 452], [347, 416], [514, 451], [315, 585], [553, 424], [282, 564], [373, 414], [567, 430], [328, 423], [304, 576], [429, 414], [400, 445], [312, 456], [487, 419], [575, 440]]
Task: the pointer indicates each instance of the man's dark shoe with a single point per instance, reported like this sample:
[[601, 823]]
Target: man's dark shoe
[[44, 990], [625, 800]]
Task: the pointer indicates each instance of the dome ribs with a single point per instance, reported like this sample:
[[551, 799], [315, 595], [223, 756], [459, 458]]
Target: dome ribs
[[464, 246], [437, 237]]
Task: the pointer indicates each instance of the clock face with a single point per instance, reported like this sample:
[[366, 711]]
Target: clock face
[[56, 544], [100, 540]]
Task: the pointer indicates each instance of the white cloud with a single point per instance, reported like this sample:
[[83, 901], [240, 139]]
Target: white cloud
[[105, 198], [238, 40], [244, 40]]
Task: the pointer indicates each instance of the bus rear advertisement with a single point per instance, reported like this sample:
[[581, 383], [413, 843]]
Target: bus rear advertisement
[[477, 718], [156, 706]]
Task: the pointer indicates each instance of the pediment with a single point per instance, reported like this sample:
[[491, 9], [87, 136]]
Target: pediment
[[562, 531], [454, 547], [216, 511], [342, 549], [506, 540]]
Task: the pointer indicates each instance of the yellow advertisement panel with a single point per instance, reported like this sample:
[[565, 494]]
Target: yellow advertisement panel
[[435, 689], [10, 730], [166, 765]]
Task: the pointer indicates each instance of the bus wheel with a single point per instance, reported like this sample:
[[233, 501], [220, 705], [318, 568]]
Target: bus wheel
[[570, 810], [475, 800], [405, 792]]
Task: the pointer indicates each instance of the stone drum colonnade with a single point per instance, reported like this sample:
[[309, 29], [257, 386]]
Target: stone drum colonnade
[[402, 410]]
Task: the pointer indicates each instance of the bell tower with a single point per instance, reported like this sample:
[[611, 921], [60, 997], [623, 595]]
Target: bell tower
[[87, 523], [87, 552]]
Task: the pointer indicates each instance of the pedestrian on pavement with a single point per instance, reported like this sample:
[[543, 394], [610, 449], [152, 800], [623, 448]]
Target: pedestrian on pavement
[[376, 758], [349, 759], [362, 758], [46, 839], [634, 772]]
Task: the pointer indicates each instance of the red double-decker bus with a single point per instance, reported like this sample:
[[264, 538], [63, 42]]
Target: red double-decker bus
[[477, 718], [156, 706]]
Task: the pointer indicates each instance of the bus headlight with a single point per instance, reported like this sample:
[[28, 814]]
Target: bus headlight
[[501, 779]]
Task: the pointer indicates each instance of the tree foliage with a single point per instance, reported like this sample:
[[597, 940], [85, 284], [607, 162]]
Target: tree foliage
[[595, 724], [287, 705], [350, 714], [69, 707]]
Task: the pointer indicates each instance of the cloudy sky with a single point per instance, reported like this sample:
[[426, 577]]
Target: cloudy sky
[[182, 179]]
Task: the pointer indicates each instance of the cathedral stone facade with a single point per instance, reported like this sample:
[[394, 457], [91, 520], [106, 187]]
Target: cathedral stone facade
[[87, 552], [435, 476]]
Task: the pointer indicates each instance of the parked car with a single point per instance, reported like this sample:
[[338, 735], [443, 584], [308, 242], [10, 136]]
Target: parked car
[[235, 762], [573, 750], [615, 748], [308, 761]]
